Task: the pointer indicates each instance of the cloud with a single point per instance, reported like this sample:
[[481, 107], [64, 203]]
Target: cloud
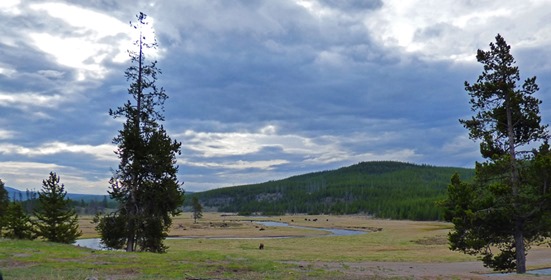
[[7, 134], [75, 180], [354, 5], [7, 71], [455, 29], [92, 38], [10, 7], [211, 144], [463, 149], [28, 99], [201, 148], [258, 90], [51, 74], [240, 164], [104, 152]]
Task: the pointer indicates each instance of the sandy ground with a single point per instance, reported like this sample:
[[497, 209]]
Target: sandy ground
[[410, 270]]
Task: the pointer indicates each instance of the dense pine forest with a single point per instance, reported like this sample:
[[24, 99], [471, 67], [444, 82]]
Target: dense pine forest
[[383, 189]]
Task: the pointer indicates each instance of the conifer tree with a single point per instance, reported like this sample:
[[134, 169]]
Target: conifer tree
[[17, 224], [4, 203], [56, 219], [197, 209], [145, 184], [506, 208]]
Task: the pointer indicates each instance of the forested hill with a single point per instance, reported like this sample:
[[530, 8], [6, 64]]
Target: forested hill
[[384, 189]]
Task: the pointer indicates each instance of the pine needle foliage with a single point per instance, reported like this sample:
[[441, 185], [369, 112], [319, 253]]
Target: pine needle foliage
[[18, 224], [145, 184], [56, 219], [506, 208]]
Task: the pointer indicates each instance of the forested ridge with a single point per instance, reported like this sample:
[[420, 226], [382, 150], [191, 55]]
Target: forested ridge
[[384, 189]]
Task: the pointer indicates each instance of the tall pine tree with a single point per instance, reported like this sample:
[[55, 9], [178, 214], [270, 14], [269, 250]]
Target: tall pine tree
[[506, 207], [56, 219], [145, 184]]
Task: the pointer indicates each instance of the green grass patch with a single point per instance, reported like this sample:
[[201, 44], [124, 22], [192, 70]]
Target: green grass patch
[[43, 260]]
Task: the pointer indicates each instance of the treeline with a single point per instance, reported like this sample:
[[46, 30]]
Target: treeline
[[383, 189], [86, 205]]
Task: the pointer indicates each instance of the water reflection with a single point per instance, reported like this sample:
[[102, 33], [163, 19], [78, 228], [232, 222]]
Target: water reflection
[[333, 231], [545, 271], [95, 243]]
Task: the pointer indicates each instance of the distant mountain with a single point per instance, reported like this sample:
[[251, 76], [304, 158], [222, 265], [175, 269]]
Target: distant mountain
[[13, 193], [384, 189], [16, 194]]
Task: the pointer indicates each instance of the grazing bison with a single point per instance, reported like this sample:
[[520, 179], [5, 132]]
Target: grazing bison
[[261, 247]]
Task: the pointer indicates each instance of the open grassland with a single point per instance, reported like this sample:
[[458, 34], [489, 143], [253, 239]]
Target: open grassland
[[386, 240], [313, 256]]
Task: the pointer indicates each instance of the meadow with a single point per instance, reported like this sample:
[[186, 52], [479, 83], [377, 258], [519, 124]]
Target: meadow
[[379, 254]]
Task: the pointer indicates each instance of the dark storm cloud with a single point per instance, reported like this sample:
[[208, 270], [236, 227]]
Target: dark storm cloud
[[279, 68], [257, 90]]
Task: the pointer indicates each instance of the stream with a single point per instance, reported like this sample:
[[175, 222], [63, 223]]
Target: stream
[[333, 231], [95, 243]]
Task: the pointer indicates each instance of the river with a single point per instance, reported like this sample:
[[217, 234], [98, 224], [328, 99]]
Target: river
[[333, 231], [95, 243]]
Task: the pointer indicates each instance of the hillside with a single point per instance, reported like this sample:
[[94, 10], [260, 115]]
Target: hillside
[[383, 189]]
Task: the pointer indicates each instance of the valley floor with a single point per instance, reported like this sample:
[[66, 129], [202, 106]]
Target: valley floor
[[389, 250]]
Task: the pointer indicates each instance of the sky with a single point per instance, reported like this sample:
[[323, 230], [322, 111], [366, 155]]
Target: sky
[[258, 90]]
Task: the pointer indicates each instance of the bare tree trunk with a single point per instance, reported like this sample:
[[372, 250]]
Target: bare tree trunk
[[131, 238], [133, 207], [519, 247], [520, 255], [130, 243]]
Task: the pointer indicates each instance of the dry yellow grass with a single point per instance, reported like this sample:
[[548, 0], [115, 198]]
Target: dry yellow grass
[[232, 226], [387, 240], [86, 226]]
